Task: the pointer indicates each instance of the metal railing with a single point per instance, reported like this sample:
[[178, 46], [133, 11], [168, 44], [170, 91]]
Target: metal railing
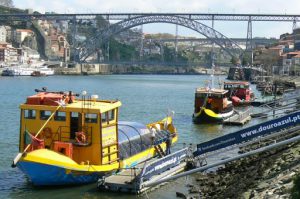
[[63, 134]]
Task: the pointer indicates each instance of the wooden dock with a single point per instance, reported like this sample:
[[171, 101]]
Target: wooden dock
[[124, 181], [239, 118]]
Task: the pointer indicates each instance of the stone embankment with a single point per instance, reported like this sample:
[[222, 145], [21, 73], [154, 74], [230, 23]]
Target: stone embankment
[[263, 176], [96, 69]]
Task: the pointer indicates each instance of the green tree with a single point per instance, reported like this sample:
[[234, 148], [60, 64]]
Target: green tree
[[246, 59], [234, 60], [121, 52]]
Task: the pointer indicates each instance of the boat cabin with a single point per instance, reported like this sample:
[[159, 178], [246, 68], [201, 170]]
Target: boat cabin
[[239, 89], [84, 129], [213, 99]]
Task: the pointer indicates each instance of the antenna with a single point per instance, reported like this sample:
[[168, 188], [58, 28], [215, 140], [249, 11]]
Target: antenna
[[83, 94]]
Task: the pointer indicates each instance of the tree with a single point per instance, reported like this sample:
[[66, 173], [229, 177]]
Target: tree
[[246, 60], [234, 60], [7, 3]]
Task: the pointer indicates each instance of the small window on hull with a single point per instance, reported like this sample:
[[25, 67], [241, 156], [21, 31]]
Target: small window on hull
[[29, 114]]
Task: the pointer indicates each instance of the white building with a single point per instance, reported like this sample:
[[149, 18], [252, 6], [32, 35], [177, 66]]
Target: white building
[[29, 55], [9, 54], [3, 34], [20, 34]]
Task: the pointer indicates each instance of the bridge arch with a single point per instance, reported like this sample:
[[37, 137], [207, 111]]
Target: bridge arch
[[91, 45]]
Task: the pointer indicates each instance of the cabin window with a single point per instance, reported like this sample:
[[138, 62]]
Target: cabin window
[[60, 116], [74, 114], [29, 114], [44, 115], [104, 117], [111, 115], [91, 118]]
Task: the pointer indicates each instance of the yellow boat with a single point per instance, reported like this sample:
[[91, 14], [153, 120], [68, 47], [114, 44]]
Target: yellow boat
[[211, 106], [65, 139]]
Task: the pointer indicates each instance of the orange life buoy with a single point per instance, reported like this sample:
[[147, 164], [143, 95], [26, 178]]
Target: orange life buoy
[[80, 137], [47, 132]]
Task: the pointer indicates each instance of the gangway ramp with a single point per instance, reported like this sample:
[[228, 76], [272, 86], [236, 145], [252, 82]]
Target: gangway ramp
[[222, 162], [273, 133], [132, 179], [280, 131]]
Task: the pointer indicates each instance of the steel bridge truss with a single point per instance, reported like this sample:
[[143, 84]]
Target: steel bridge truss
[[124, 16], [92, 45]]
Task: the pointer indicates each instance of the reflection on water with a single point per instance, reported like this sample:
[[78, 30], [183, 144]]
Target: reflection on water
[[145, 98]]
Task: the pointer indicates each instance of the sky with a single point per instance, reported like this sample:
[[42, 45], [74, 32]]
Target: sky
[[229, 29]]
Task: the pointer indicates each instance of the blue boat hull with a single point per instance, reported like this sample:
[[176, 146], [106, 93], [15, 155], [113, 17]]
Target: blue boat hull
[[42, 174]]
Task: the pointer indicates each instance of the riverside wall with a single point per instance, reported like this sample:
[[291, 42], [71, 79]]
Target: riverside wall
[[96, 69]]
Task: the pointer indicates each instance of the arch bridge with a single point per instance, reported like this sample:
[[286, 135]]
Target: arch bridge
[[92, 45]]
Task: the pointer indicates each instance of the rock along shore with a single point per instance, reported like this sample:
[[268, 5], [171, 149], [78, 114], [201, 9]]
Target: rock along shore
[[266, 175]]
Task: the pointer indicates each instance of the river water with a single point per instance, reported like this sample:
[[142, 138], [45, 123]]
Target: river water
[[145, 98]]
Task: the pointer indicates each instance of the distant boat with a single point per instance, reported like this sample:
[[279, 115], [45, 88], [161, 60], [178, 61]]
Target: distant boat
[[239, 92], [211, 106], [37, 74], [7, 72], [27, 71], [45, 70], [17, 71]]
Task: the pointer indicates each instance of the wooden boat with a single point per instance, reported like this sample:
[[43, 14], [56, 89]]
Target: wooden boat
[[211, 106], [66, 140], [239, 93], [37, 74]]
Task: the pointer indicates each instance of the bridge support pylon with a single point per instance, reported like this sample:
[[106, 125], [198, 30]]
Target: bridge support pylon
[[249, 46]]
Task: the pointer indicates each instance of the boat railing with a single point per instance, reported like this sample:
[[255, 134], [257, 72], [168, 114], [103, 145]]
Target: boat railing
[[88, 132], [63, 134]]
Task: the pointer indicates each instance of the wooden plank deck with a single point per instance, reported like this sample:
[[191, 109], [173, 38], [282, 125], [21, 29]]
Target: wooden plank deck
[[240, 118], [124, 181]]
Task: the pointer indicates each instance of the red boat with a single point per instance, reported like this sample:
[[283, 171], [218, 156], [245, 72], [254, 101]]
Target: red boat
[[239, 92]]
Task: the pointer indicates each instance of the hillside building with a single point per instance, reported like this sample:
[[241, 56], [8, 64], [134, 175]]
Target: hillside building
[[3, 34], [20, 34]]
